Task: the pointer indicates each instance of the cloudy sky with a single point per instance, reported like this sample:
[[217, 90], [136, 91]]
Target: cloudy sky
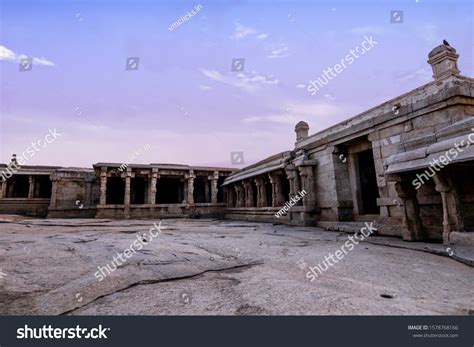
[[184, 100]]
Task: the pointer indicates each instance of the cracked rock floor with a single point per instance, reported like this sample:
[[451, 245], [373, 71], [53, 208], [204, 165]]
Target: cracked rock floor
[[217, 267]]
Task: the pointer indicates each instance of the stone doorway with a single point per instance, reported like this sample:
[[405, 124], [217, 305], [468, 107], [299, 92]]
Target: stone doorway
[[369, 192], [18, 186], [139, 188], [169, 190], [115, 190]]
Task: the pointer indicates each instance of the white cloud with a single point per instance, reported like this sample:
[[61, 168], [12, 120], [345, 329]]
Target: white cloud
[[301, 86], [213, 75], [6, 54], [205, 88], [242, 31], [9, 55], [329, 96], [280, 52], [248, 81], [293, 112]]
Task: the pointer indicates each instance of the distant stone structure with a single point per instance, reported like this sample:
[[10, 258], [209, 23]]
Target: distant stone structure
[[105, 191], [407, 164]]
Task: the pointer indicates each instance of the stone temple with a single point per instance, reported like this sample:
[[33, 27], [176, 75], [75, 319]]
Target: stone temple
[[407, 164]]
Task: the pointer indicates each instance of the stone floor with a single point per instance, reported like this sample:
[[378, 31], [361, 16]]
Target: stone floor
[[215, 267]]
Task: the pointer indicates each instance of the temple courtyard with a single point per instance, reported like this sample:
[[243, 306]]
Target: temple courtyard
[[220, 267]]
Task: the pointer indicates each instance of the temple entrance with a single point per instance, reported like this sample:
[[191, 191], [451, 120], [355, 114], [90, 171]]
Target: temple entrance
[[115, 191], [201, 189], [43, 187], [368, 183], [169, 190], [138, 188], [254, 193], [220, 193], [285, 186], [18, 186], [268, 191]]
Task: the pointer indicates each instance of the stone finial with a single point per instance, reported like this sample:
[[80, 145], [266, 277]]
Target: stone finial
[[443, 60], [301, 130], [13, 160]]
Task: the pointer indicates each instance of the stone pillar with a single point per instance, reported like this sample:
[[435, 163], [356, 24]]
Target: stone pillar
[[214, 188], [126, 199], [103, 186], [307, 184], [261, 195], [293, 178], [452, 216], [413, 226], [237, 200], [239, 190], [248, 193], [152, 187], [3, 189], [54, 191], [190, 197], [273, 182], [31, 187], [128, 175], [276, 179]]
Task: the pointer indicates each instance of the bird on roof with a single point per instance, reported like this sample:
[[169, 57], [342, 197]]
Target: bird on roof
[[446, 43]]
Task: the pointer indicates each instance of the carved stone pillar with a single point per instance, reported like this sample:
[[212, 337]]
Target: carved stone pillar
[[248, 193], [261, 195], [126, 198], [190, 176], [452, 216], [152, 191], [413, 226], [54, 191], [307, 184], [276, 179], [274, 183], [128, 175], [294, 180], [239, 190], [3, 189], [237, 195], [31, 187], [214, 179], [103, 186]]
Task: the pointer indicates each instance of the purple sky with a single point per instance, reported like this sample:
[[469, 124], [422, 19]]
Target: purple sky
[[184, 100]]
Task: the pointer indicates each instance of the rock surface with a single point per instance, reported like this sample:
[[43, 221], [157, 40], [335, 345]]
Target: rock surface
[[215, 267]]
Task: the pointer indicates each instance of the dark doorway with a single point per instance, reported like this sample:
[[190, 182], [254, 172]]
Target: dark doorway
[[254, 193], [285, 186], [368, 182], [169, 190], [268, 191], [115, 191], [200, 189], [220, 193], [138, 186], [42, 187], [18, 186]]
